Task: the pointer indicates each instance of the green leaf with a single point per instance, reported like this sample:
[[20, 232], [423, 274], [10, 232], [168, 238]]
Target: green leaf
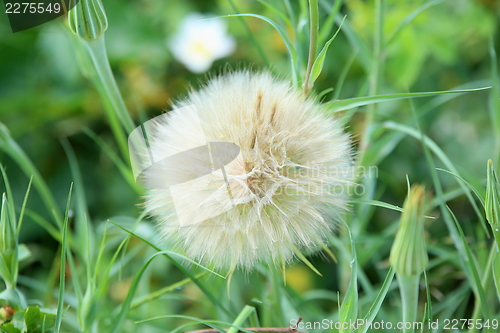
[[471, 263], [9, 328], [205, 290], [374, 309], [244, 314], [62, 274], [410, 18], [11, 147], [23, 208], [317, 66], [345, 104], [32, 319], [328, 24], [428, 143], [349, 309]]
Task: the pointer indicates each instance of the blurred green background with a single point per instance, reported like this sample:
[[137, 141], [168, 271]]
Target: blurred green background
[[44, 98]]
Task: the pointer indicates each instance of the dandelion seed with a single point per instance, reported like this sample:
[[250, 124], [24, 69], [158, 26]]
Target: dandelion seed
[[198, 43], [283, 185]]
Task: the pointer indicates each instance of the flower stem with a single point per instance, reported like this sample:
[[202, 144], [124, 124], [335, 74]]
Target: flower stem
[[408, 286]]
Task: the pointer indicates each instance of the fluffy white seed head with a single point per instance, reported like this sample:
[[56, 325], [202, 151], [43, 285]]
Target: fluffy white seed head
[[280, 194]]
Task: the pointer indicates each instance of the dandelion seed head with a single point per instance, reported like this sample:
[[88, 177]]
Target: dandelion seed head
[[286, 185]]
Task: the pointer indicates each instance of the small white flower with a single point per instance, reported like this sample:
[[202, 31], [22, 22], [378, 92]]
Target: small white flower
[[198, 43], [286, 182]]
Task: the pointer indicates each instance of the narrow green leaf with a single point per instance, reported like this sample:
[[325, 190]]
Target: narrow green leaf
[[8, 191], [349, 309], [209, 295], [160, 292], [328, 24], [122, 167], [62, 273], [345, 104], [374, 309], [11, 147], [410, 19], [317, 66], [428, 143], [23, 207], [251, 36], [471, 262], [303, 258], [244, 314], [476, 192], [291, 49]]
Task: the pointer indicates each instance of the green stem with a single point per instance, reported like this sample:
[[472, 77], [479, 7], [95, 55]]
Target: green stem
[[99, 57], [313, 42], [244, 314], [273, 315], [374, 77], [408, 287]]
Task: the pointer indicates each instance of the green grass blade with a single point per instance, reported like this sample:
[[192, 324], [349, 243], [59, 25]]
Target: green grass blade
[[343, 74], [207, 293], [291, 49], [330, 20], [23, 207], [349, 309], [276, 11], [62, 275], [374, 309], [244, 314], [118, 322], [476, 192], [11, 147], [345, 104], [471, 262], [410, 19], [160, 292], [427, 142], [252, 38], [10, 198], [357, 42], [82, 235], [122, 167]]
